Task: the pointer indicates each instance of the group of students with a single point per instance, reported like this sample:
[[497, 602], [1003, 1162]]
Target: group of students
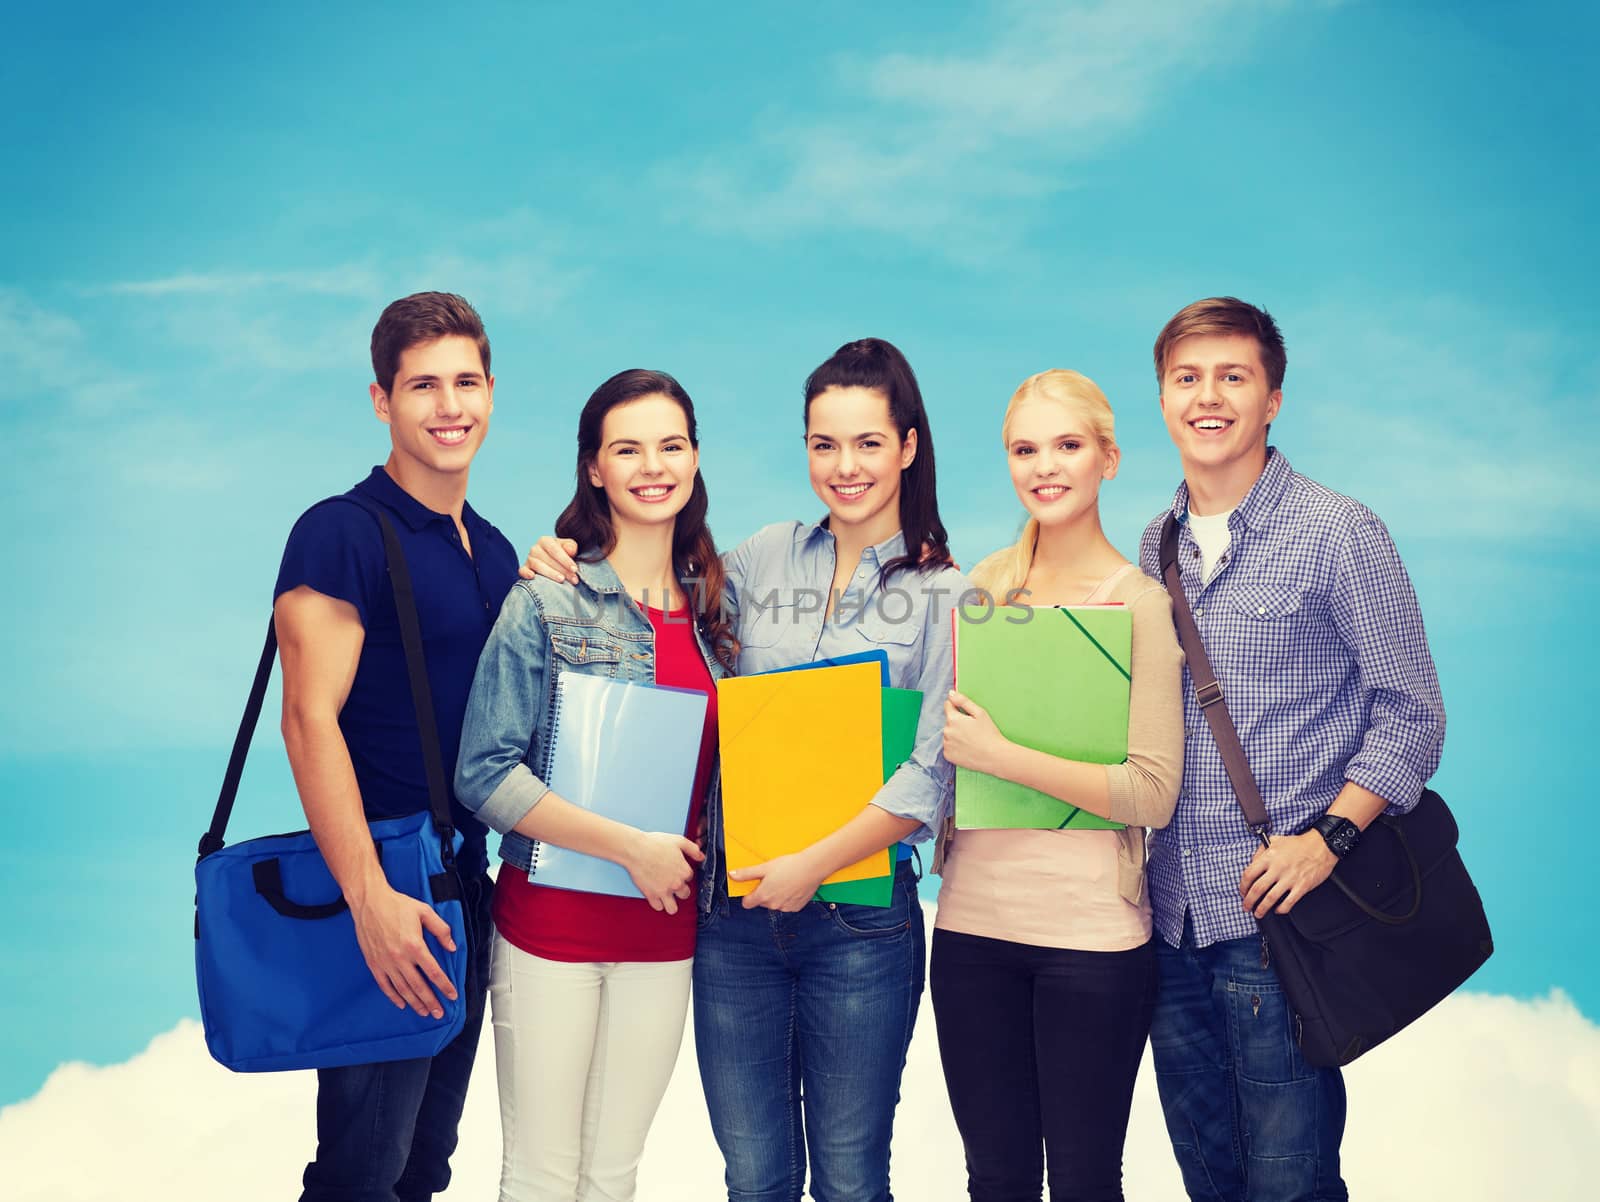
[[1056, 954]]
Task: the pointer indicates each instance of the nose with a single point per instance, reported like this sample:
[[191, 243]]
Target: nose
[[847, 462], [1208, 392], [1044, 463], [650, 462], [447, 403]]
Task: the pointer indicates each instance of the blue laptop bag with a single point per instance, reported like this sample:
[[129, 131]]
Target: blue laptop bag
[[282, 981]]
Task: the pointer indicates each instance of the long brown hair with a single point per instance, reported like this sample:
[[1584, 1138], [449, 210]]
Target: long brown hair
[[587, 517]]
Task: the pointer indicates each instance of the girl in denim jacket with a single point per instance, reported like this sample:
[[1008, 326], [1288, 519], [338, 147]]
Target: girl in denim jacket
[[804, 1009], [589, 991]]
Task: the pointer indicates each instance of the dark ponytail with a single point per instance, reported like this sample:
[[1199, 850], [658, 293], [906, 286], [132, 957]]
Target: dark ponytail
[[879, 365]]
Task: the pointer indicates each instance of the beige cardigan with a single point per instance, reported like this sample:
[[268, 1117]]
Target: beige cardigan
[[1144, 788]]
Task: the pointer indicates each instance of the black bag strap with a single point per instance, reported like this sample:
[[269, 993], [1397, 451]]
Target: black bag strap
[[405, 605], [1208, 690], [1209, 693]]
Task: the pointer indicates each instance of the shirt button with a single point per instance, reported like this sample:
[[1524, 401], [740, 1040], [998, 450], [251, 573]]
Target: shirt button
[[1186, 853], [1199, 613], [1261, 610]]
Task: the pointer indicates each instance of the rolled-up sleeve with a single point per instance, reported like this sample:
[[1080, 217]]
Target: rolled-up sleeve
[[1376, 614], [923, 786], [491, 778]]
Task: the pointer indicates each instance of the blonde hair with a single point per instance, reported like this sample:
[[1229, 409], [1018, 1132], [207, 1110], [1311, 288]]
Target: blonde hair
[[1006, 569]]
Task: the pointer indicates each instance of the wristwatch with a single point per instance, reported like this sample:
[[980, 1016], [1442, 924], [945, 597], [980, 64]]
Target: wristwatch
[[1340, 834]]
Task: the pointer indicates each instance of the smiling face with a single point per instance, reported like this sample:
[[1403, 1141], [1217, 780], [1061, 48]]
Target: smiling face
[[437, 409], [1056, 461], [646, 463], [856, 456], [1217, 402]]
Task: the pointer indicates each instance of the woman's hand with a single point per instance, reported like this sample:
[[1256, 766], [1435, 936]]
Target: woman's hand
[[787, 882], [662, 868], [971, 739], [551, 557]]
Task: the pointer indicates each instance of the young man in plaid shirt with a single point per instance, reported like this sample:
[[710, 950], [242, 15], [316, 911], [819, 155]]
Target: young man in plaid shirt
[[1312, 625]]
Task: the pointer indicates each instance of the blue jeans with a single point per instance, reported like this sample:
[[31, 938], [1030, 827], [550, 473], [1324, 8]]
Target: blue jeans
[[801, 1025], [1249, 1119], [385, 1131]]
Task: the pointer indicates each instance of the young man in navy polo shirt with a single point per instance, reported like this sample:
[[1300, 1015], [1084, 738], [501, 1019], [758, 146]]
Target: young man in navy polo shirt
[[385, 1131], [1311, 623]]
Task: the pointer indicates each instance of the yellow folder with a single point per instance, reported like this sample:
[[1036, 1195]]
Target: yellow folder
[[802, 752]]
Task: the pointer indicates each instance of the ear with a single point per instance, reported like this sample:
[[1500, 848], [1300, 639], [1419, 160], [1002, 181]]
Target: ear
[[380, 402], [594, 475], [908, 448], [1274, 403], [491, 393], [1113, 462]]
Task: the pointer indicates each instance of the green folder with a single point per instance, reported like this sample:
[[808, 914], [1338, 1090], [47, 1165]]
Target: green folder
[[1057, 682], [901, 709]]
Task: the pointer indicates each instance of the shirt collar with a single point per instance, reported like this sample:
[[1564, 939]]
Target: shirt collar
[[381, 487], [1259, 502], [892, 547], [599, 575]]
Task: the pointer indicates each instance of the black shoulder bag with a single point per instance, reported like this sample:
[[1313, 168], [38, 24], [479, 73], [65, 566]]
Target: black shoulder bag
[[1402, 924]]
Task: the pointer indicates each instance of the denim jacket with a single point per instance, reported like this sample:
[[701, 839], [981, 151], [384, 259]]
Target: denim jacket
[[545, 629]]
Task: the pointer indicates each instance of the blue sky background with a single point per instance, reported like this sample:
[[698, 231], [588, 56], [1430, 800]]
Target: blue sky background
[[207, 207]]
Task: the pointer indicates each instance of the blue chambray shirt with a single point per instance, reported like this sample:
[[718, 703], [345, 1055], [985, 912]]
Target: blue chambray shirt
[[1313, 628], [778, 581]]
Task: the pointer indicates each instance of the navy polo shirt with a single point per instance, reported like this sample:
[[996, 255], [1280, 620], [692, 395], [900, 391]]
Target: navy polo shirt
[[337, 549]]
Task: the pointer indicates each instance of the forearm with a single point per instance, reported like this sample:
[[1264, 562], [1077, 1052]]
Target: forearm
[[326, 781], [1360, 805], [556, 820], [871, 830], [1071, 782]]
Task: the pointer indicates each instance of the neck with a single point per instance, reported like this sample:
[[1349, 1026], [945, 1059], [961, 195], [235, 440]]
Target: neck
[[442, 492], [1078, 547], [642, 559], [1214, 490], [852, 539]]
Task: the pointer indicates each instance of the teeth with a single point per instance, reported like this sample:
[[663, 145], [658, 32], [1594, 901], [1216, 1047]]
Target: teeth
[[456, 434], [1211, 423], [851, 490], [1050, 491], [652, 492]]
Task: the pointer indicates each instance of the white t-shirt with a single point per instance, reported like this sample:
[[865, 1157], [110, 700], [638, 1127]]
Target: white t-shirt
[[1212, 536]]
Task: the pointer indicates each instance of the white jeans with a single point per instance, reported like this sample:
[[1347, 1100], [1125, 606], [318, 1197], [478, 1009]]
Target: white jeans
[[583, 1053]]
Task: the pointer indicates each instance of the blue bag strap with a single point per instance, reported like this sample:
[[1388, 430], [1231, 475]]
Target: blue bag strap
[[405, 605]]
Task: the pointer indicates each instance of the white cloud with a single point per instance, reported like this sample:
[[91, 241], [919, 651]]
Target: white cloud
[[1487, 1098], [351, 280], [923, 144]]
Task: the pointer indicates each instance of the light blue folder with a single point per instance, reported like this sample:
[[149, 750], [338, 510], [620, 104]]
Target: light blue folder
[[624, 749]]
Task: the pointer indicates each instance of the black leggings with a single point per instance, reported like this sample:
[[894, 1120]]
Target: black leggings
[[1040, 1048]]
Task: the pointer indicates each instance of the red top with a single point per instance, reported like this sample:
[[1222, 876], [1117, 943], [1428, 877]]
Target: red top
[[562, 924]]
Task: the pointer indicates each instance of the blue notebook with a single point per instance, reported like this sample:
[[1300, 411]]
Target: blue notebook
[[625, 749], [876, 656]]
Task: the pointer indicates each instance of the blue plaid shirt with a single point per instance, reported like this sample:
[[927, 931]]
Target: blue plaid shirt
[[1313, 628]]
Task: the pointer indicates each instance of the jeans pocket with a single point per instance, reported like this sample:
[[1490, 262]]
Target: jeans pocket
[[870, 922], [1263, 1033]]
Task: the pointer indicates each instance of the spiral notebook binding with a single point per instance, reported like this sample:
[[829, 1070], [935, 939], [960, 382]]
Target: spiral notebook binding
[[545, 754]]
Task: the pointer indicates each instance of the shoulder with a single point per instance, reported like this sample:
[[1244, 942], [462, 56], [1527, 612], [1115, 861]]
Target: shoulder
[[1308, 502], [336, 523], [777, 536], [488, 540], [986, 568]]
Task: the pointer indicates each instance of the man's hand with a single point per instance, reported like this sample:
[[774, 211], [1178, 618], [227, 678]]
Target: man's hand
[[551, 557], [662, 868], [1280, 875], [389, 928], [971, 739], [787, 882]]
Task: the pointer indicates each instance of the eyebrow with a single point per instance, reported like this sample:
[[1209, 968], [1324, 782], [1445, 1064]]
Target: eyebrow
[[429, 377], [1052, 438], [1195, 367], [858, 437], [636, 442]]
